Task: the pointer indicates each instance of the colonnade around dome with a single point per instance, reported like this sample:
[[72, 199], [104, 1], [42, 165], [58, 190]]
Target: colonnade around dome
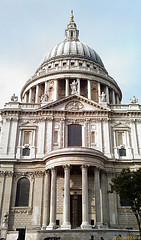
[[54, 90]]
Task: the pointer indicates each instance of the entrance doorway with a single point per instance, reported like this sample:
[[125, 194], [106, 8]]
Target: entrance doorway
[[76, 210], [21, 234]]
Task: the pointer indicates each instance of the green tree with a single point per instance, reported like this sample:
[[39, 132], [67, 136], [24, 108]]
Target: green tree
[[128, 185]]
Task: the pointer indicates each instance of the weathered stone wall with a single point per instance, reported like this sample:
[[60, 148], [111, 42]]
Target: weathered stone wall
[[126, 219]]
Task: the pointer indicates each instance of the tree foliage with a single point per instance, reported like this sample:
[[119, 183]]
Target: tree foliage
[[128, 185]]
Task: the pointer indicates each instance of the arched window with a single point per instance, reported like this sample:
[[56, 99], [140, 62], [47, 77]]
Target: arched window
[[22, 194], [74, 135]]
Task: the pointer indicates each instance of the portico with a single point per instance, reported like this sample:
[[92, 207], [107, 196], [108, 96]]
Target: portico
[[76, 188]]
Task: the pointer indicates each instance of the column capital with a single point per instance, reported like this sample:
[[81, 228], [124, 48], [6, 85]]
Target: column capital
[[103, 171], [53, 169], [85, 166], [47, 171], [67, 167], [97, 169]]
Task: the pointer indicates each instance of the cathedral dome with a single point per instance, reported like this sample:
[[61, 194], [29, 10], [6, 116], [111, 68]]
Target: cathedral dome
[[71, 62], [72, 48]]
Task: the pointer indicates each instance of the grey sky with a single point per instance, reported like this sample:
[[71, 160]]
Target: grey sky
[[30, 28]]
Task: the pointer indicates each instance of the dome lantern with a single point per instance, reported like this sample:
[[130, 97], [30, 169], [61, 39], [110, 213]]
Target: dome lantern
[[71, 32]]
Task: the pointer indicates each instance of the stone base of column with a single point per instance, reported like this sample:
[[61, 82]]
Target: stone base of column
[[51, 226], [99, 225], [43, 227], [86, 225], [66, 226], [4, 231]]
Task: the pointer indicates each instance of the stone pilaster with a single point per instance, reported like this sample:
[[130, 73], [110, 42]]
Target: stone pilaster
[[5, 201], [113, 219], [134, 138], [66, 212], [85, 217]]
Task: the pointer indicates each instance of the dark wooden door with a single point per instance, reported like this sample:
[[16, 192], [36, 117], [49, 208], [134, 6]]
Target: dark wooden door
[[76, 210]]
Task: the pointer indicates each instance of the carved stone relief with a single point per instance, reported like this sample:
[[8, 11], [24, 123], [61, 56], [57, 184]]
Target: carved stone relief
[[74, 106]]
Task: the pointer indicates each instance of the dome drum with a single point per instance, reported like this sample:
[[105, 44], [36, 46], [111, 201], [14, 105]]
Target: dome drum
[[60, 85]]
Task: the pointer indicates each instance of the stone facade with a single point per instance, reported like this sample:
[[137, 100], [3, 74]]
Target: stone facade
[[61, 146]]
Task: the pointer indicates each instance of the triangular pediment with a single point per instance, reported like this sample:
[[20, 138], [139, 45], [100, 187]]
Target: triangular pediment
[[75, 103], [28, 123], [120, 125]]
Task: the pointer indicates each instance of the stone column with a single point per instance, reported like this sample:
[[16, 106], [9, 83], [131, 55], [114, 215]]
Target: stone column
[[78, 80], [30, 95], [25, 97], [118, 99], [55, 89], [37, 94], [114, 99], [104, 198], [67, 87], [66, 212], [99, 92], [107, 94], [89, 89], [46, 87], [85, 217], [52, 223], [46, 200], [97, 197]]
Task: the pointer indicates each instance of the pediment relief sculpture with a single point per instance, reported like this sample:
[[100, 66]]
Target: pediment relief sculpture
[[74, 106]]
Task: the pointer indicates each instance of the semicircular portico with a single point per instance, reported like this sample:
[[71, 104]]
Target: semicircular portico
[[75, 156]]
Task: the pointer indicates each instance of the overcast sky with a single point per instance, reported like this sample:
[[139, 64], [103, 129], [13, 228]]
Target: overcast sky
[[30, 28]]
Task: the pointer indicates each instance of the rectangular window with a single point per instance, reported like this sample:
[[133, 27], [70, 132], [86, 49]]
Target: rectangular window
[[92, 137], [26, 152], [55, 137], [74, 135], [120, 138], [122, 152], [71, 34], [27, 137]]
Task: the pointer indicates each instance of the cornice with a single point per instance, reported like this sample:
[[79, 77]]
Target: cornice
[[6, 173]]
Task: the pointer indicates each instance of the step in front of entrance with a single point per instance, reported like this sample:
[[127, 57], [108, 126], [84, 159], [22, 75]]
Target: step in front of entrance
[[78, 234]]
